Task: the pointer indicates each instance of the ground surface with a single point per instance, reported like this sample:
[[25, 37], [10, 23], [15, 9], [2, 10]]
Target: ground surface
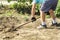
[[28, 31]]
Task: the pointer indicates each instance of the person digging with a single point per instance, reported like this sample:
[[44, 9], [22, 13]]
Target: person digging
[[47, 6]]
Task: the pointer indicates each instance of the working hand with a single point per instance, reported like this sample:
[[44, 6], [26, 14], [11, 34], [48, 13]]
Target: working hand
[[33, 19]]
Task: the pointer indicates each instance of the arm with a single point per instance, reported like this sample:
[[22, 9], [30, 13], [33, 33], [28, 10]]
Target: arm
[[33, 10]]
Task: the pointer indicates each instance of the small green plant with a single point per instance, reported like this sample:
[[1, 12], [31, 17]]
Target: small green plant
[[1, 5], [13, 6], [58, 12], [9, 0]]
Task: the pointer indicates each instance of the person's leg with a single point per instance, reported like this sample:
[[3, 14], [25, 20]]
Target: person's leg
[[43, 23], [44, 8], [51, 11], [53, 16], [42, 15]]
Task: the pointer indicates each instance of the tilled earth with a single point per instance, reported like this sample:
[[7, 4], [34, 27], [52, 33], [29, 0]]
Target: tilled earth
[[11, 20], [28, 31]]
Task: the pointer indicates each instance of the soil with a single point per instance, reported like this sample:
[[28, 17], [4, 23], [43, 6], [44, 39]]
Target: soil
[[28, 31]]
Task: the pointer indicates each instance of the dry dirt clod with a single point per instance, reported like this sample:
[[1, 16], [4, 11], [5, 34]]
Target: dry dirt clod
[[17, 34], [1, 30], [8, 37]]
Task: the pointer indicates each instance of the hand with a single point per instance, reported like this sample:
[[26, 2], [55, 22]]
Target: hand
[[33, 19]]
